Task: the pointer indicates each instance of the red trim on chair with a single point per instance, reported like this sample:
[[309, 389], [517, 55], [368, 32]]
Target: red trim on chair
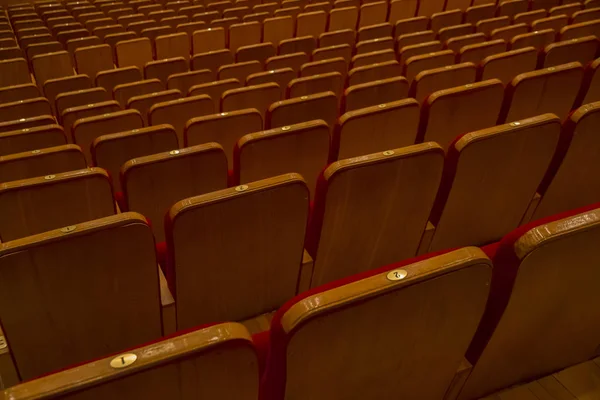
[[564, 141], [504, 273], [274, 377], [121, 201], [317, 213], [448, 175]]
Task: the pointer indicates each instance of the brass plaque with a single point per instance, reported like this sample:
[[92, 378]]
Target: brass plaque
[[397, 275], [122, 361]]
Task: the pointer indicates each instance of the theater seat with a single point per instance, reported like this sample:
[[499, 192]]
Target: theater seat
[[548, 90], [569, 183], [302, 148], [41, 162], [91, 289], [540, 317], [360, 201], [28, 139], [251, 272], [36, 205], [377, 128], [112, 151], [153, 183], [490, 177], [213, 361], [451, 112], [398, 332]]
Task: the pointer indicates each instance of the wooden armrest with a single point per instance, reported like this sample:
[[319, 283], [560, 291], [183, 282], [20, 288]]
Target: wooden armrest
[[167, 302], [306, 271], [426, 239], [462, 373], [531, 208], [8, 372]]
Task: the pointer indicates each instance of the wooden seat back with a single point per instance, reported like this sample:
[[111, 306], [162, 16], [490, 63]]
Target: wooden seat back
[[361, 200], [437, 59], [302, 148], [118, 76], [259, 97], [548, 90], [86, 130], [112, 151], [224, 128], [23, 123], [301, 109], [517, 326], [264, 252], [163, 68], [375, 93], [51, 65], [346, 327], [154, 183], [213, 361], [450, 112], [430, 81], [36, 205], [41, 162], [583, 50], [492, 175], [24, 109], [505, 66], [178, 112], [568, 182], [23, 91], [28, 139], [123, 92], [143, 103], [377, 128], [92, 287]]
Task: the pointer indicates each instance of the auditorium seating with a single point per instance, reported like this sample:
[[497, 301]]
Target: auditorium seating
[[301, 148], [210, 361], [153, 183], [89, 300], [566, 185], [264, 223], [523, 336], [358, 203], [491, 175], [37, 205], [293, 150], [112, 151], [428, 308]]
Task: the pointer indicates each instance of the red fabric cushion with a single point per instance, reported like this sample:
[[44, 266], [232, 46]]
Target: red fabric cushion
[[121, 201], [273, 380], [161, 255], [232, 178], [506, 265]]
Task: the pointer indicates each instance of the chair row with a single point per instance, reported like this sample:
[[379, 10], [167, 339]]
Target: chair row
[[476, 324], [357, 201], [444, 114]]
